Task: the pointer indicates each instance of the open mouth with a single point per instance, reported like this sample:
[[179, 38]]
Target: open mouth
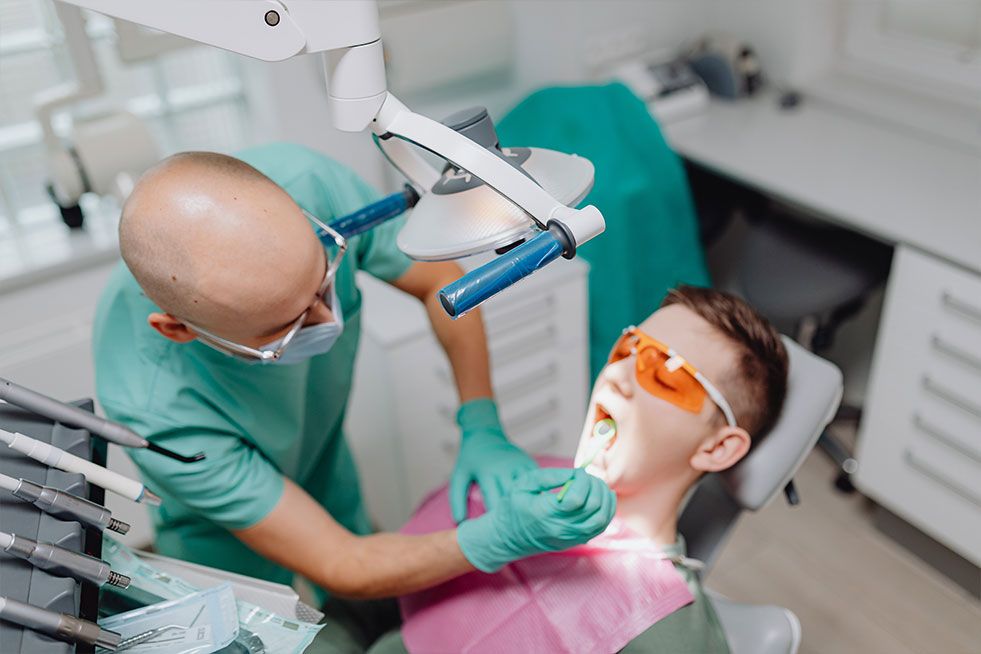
[[603, 414]]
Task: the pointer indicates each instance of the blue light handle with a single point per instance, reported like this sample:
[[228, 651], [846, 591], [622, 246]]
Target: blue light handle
[[490, 279], [376, 213]]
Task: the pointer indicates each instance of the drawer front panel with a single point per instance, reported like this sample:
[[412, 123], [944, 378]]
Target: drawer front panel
[[920, 446]]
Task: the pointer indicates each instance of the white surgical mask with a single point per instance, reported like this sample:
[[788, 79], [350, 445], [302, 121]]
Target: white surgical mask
[[312, 339]]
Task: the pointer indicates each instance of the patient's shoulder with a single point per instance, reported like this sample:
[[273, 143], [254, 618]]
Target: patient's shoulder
[[693, 629]]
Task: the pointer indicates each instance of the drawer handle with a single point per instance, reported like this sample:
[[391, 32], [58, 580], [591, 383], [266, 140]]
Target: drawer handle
[[952, 398], [960, 307], [533, 417], [528, 383], [955, 352], [514, 318], [938, 476], [939, 436], [525, 345]]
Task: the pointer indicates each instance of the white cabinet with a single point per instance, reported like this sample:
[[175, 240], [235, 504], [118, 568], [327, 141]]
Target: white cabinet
[[401, 421], [920, 444]]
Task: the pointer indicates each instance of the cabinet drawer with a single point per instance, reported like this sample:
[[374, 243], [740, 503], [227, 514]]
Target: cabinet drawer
[[919, 449]]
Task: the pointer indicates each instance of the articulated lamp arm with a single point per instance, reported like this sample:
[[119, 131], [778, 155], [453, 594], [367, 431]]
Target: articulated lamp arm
[[348, 33]]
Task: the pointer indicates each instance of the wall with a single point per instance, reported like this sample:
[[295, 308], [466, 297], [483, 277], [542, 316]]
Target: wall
[[794, 39]]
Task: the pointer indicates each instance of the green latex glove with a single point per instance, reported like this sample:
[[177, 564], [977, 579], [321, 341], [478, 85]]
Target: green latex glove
[[486, 457], [530, 519]]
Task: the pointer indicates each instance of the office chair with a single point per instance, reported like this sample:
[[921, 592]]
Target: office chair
[[814, 278], [814, 389]]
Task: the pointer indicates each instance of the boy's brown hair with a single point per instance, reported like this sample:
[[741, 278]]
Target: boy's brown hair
[[758, 389]]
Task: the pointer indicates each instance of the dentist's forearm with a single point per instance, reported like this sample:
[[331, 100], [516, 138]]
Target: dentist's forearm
[[300, 535], [384, 565], [463, 340], [465, 344]]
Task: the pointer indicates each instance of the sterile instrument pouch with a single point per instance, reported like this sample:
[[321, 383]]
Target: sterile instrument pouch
[[260, 631], [199, 623], [590, 599]]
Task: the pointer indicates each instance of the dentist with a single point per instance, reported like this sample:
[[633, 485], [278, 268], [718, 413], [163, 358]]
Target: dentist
[[232, 330]]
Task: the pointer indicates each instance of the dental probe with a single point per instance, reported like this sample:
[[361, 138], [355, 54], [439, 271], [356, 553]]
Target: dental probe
[[75, 417], [604, 430], [63, 505], [62, 626], [94, 474], [62, 562]]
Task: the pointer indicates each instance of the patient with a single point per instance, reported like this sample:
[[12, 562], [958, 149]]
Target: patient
[[677, 419]]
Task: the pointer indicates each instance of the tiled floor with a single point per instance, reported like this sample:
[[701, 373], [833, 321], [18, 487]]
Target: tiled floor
[[854, 589]]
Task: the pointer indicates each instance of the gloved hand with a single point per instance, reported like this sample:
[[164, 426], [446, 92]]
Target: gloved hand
[[486, 457], [530, 519]]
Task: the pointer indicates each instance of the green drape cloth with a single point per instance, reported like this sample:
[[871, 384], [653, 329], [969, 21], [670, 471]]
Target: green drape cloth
[[651, 240]]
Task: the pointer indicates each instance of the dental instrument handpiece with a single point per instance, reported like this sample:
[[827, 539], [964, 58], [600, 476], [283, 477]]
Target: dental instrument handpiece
[[94, 474], [63, 505], [62, 626], [74, 417], [603, 431], [62, 562]]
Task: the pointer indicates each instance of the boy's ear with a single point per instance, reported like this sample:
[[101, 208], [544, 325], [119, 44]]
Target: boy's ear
[[172, 328], [722, 450]]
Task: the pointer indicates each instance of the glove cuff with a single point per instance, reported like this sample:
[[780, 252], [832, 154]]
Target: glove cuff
[[478, 546], [479, 414]]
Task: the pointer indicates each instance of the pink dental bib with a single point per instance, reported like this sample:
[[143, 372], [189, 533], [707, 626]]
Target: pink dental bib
[[590, 599]]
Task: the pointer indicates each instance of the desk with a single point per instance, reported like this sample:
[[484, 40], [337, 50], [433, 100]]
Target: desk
[[919, 447], [847, 168]]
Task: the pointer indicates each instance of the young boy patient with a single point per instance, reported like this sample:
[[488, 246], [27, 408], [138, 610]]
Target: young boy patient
[[691, 390]]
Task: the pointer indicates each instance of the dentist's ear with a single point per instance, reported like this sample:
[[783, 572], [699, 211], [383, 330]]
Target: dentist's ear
[[172, 328], [722, 450]]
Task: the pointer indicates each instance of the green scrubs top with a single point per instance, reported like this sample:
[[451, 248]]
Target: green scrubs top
[[256, 422]]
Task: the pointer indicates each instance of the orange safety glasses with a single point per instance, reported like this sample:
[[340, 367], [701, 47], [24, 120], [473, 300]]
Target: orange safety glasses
[[665, 374]]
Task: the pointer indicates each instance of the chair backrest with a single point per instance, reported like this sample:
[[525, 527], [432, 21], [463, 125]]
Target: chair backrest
[[814, 388]]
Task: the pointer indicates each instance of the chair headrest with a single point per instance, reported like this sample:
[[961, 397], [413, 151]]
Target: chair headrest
[[814, 388]]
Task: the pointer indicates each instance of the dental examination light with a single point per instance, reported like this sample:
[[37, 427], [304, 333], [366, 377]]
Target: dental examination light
[[485, 198]]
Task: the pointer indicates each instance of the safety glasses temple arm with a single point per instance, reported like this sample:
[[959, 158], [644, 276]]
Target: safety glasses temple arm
[[717, 397]]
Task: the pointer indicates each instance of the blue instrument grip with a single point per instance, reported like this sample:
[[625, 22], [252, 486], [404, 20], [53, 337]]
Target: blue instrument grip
[[374, 214], [490, 279]]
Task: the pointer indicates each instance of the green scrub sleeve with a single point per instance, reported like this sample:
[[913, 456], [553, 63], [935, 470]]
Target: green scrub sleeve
[[330, 190], [380, 255], [235, 486]]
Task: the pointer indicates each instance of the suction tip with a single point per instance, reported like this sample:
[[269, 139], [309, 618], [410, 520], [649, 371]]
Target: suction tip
[[153, 447]]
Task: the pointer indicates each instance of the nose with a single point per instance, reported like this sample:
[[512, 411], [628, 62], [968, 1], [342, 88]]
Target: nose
[[620, 376]]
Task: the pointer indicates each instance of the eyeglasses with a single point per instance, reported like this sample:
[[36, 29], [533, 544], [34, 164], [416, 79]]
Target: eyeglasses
[[665, 374], [324, 232]]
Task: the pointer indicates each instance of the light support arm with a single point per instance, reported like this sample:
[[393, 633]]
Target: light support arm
[[396, 119], [348, 32]]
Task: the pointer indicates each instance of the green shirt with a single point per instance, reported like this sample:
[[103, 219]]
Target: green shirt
[[257, 423], [692, 629]]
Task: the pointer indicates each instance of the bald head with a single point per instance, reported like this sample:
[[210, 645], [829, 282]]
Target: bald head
[[213, 241]]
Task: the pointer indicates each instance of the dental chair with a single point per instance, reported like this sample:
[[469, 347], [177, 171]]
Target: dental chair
[[814, 388]]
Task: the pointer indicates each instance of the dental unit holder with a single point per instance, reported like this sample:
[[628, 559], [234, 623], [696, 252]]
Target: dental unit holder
[[63, 505], [62, 562], [62, 626]]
